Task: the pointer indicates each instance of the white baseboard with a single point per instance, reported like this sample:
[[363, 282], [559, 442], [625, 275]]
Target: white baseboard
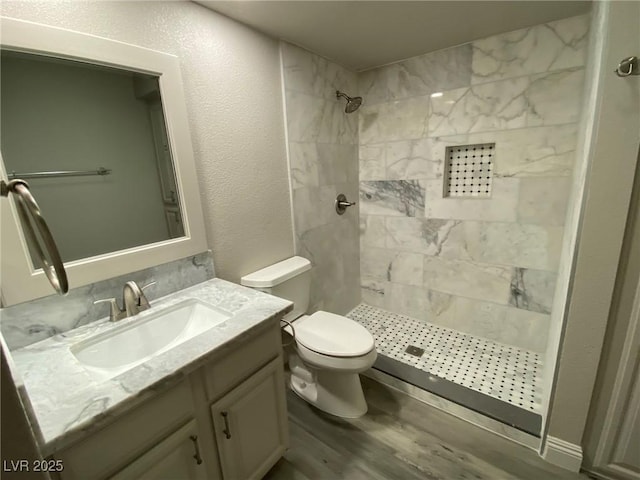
[[563, 454]]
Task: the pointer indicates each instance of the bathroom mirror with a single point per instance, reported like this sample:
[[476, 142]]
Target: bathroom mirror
[[98, 129]]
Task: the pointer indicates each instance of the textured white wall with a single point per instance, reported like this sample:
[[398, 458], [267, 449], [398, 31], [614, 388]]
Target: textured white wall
[[232, 86]]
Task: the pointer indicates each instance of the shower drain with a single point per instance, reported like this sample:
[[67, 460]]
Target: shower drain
[[415, 351], [501, 371]]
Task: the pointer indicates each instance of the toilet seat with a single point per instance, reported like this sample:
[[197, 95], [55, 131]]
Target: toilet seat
[[333, 335]]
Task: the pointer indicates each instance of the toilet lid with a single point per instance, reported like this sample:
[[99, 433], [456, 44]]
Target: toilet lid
[[333, 335]]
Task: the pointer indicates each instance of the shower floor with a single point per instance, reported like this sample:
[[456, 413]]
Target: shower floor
[[501, 372]]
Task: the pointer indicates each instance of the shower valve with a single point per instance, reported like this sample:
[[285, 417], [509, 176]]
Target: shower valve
[[342, 203]]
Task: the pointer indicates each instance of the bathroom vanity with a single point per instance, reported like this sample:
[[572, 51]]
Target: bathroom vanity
[[211, 407]]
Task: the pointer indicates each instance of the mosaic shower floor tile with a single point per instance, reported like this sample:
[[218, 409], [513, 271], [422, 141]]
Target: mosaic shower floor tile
[[504, 372]]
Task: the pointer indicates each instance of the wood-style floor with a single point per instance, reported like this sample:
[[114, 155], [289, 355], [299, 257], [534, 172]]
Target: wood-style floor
[[401, 438]]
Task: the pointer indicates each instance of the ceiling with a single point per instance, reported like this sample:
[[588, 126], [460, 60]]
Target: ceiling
[[361, 35]]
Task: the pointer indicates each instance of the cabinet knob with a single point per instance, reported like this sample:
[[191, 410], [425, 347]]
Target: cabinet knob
[[227, 430], [196, 456]]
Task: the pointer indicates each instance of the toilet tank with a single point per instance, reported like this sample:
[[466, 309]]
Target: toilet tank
[[289, 279]]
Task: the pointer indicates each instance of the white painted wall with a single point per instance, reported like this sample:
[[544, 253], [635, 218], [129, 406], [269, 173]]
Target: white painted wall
[[233, 91], [61, 116]]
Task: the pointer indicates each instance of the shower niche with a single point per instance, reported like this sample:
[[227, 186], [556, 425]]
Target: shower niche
[[469, 170]]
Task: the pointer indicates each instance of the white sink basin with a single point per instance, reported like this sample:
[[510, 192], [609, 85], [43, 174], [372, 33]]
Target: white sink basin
[[118, 350]]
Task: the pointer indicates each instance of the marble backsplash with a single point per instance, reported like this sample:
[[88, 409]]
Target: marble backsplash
[[30, 322], [486, 266]]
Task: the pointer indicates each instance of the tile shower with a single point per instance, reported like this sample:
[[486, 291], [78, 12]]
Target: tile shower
[[439, 256]]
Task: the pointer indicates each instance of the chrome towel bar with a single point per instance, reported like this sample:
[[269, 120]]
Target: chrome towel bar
[[29, 213], [60, 173]]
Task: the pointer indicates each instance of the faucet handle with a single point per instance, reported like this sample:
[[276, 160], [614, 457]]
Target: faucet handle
[[148, 285], [115, 313]]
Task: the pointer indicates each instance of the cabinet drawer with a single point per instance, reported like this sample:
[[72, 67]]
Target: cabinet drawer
[[108, 450], [241, 361]]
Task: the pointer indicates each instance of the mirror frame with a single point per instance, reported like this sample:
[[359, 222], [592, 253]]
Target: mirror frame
[[20, 281]]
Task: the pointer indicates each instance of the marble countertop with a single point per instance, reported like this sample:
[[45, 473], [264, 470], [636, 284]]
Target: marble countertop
[[65, 401]]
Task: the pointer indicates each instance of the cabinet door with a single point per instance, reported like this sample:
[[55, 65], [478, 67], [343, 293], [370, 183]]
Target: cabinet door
[[176, 457], [251, 424]]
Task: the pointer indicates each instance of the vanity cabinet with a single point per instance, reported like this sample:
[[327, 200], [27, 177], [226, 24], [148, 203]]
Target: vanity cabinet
[[250, 433], [176, 457], [225, 421]]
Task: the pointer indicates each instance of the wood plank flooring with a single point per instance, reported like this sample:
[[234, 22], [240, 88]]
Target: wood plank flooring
[[401, 438]]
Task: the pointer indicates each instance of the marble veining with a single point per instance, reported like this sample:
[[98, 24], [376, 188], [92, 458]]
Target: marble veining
[[398, 120], [551, 46], [323, 158], [66, 401], [493, 106], [392, 197], [532, 290], [555, 98], [30, 322]]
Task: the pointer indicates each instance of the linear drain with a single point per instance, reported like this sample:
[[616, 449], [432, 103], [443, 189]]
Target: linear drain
[[416, 351]]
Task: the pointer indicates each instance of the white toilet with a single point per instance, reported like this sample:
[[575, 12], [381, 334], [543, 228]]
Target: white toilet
[[331, 350]]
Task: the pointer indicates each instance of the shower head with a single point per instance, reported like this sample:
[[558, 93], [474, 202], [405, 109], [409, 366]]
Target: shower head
[[352, 103]]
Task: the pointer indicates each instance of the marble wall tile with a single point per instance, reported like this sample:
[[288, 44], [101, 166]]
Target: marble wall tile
[[372, 231], [391, 266], [304, 117], [503, 324], [373, 291], [30, 322], [313, 206], [335, 163], [502, 206], [468, 279], [412, 159], [492, 106], [543, 200], [323, 154], [406, 268], [520, 90], [531, 246], [334, 270], [532, 289], [528, 152], [304, 164], [421, 235], [392, 197], [433, 72], [312, 119], [541, 48], [373, 86], [372, 162], [399, 120], [376, 263], [306, 72], [533, 329], [420, 303], [555, 98]]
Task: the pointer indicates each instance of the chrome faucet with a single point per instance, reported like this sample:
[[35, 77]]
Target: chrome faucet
[[133, 301]]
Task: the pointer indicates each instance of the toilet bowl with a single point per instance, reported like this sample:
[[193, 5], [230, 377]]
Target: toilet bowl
[[329, 350]]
